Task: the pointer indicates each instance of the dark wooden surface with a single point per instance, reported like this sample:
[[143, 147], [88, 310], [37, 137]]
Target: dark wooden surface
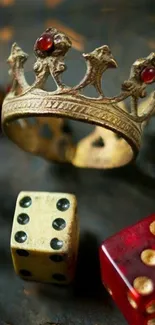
[[108, 201]]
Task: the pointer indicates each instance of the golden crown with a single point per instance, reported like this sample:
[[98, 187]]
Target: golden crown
[[25, 101]]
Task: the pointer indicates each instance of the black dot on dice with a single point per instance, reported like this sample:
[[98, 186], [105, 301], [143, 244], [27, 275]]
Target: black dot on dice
[[57, 258], [22, 252], [59, 277], [59, 224], [23, 219], [25, 202], [20, 236], [63, 204], [25, 273], [56, 243]]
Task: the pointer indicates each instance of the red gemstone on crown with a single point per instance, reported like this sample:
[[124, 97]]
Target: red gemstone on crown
[[45, 43], [148, 75]]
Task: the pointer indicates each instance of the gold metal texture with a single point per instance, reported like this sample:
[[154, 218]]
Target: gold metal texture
[[117, 136]]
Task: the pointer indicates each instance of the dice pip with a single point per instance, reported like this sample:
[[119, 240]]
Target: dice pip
[[45, 236], [127, 262]]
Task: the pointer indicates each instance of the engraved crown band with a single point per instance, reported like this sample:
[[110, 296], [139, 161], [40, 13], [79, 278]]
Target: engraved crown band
[[117, 136]]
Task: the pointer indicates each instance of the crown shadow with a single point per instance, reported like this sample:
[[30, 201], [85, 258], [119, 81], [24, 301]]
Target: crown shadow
[[88, 280]]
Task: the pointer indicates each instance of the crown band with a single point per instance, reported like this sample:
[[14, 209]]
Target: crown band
[[24, 101]]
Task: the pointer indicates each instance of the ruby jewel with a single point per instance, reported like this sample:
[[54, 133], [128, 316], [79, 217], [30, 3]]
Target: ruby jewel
[[45, 43], [148, 75]]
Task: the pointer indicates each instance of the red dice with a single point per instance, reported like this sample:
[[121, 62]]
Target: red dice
[[128, 271]]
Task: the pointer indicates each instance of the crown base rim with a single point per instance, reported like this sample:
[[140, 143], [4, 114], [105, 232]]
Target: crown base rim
[[117, 122]]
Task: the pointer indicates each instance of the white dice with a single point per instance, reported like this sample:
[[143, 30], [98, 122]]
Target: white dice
[[45, 237]]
